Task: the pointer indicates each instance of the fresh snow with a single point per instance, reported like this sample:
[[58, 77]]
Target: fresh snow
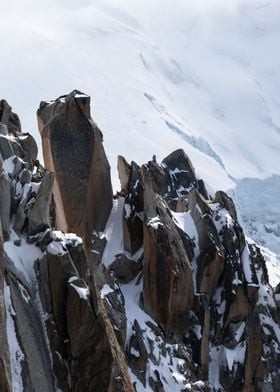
[[106, 289], [82, 291], [154, 222], [114, 233], [9, 165], [272, 264], [22, 256]]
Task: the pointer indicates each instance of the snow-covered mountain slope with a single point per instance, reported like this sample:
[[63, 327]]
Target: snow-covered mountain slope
[[202, 76], [258, 203]]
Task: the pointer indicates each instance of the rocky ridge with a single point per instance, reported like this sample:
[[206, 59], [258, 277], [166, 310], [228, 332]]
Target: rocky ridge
[[155, 288]]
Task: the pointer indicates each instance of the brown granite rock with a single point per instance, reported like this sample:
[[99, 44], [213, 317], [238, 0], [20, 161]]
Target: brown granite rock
[[167, 273], [73, 150], [84, 346]]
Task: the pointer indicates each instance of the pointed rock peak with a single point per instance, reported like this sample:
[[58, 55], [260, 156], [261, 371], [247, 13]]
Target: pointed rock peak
[[73, 150], [9, 118], [178, 159], [74, 100]]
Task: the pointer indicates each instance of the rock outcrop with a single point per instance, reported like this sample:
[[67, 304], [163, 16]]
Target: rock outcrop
[[156, 290], [167, 273], [73, 150]]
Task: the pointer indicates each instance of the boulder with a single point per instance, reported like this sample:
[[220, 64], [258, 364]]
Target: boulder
[[125, 269]]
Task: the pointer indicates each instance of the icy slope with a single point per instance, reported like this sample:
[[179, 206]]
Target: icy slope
[[258, 203], [163, 75]]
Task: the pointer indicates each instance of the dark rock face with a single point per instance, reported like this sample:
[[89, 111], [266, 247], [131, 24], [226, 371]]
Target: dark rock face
[[133, 210], [73, 150]]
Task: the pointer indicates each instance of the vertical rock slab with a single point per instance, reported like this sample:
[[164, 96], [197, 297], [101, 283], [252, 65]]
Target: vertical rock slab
[[73, 150], [5, 375], [168, 285], [133, 211]]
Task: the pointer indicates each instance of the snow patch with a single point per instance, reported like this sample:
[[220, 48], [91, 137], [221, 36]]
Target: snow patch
[[106, 289]]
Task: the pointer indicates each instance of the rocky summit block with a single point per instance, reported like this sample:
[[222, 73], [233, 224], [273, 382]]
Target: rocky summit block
[[73, 150]]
